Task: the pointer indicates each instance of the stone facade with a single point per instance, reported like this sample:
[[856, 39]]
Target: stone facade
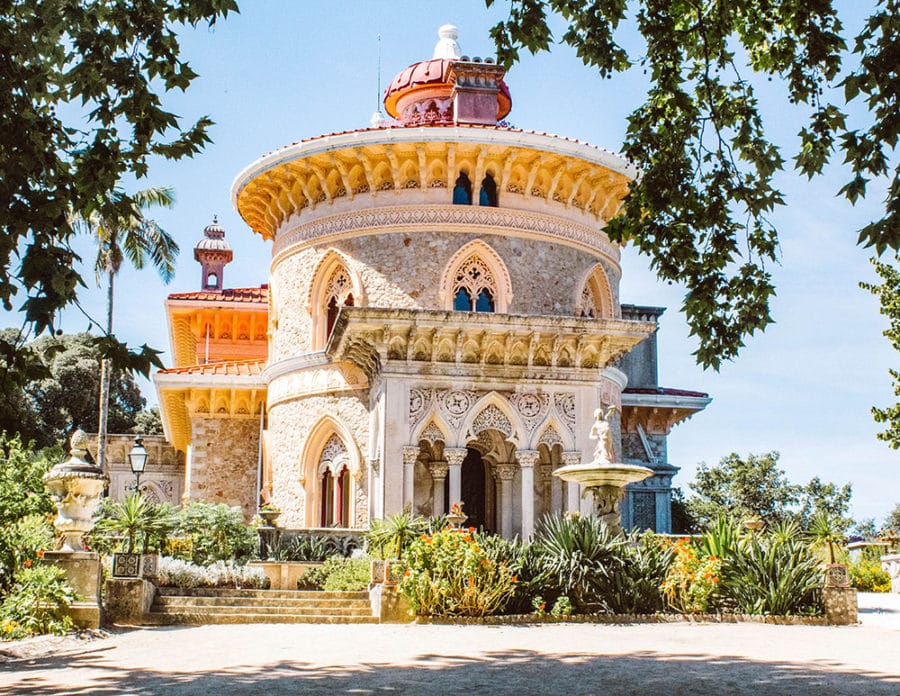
[[443, 320], [163, 477], [223, 462]]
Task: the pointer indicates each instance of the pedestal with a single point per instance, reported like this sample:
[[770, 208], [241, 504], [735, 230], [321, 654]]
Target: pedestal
[[82, 569], [840, 605], [127, 600]]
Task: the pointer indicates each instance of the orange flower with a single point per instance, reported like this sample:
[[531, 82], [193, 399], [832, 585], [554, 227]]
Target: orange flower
[[27, 563], [714, 579], [514, 578], [407, 573], [472, 530], [471, 581], [40, 554]]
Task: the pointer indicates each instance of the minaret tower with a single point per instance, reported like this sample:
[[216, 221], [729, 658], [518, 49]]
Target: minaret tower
[[213, 252]]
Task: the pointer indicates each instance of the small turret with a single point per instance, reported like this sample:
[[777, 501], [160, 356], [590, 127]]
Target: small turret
[[213, 253]]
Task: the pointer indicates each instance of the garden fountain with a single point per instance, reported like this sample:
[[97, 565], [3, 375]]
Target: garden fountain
[[604, 477]]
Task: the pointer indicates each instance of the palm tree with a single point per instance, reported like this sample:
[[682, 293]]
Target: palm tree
[[122, 231]]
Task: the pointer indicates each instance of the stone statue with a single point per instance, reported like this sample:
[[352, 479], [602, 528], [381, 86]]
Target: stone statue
[[601, 431]]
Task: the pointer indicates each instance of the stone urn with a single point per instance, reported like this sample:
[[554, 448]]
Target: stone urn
[[75, 485], [269, 516]]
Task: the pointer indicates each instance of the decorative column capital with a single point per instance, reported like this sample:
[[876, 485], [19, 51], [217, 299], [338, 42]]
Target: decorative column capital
[[439, 469], [505, 472], [527, 458], [571, 458], [410, 455], [375, 465], [455, 455]]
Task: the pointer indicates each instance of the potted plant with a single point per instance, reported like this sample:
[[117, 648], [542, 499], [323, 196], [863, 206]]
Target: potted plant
[[388, 538], [137, 519], [269, 513], [826, 531]]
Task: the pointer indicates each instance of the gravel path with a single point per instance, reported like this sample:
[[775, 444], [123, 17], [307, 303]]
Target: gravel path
[[420, 659]]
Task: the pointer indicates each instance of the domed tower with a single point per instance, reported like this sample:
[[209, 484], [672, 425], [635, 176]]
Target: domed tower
[[213, 253], [444, 313]]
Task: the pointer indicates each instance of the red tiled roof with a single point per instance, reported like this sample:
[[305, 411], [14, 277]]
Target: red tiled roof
[[231, 368], [398, 125], [260, 294], [663, 391]]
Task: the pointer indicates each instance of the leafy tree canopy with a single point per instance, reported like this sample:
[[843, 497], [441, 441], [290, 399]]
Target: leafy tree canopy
[[893, 520], [756, 488], [700, 210], [47, 410], [80, 110], [888, 294]]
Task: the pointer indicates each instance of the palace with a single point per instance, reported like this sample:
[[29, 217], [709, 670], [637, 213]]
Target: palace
[[441, 320]]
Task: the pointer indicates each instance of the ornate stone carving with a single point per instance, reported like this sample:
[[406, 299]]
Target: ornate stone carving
[[532, 407], [550, 437], [334, 456], [565, 407], [509, 221], [439, 469], [505, 471], [410, 456], [455, 455], [419, 401], [571, 458], [432, 433], [456, 404], [601, 431], [527, 458], [492, 418]]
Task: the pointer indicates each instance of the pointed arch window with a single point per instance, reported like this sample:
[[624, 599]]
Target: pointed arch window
[[462, 190], [336, 292], [474, 287], [595, 300], [488, 194], [334, 485]]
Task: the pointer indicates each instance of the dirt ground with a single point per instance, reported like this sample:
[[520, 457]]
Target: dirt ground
[[422, 659]]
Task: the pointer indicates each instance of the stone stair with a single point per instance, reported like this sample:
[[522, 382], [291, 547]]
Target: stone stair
[[199, 606]]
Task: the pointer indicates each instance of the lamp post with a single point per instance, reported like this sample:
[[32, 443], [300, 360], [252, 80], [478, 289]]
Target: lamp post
[[137, 458]]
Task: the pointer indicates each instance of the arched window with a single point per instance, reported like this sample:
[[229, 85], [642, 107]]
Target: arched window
[[462, 190], [474, 287], [334, 485], [595, 300], [212, 280], [488, 194], [327, 299]]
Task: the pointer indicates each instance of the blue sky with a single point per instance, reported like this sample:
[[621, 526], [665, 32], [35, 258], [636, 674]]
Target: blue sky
[[283, 71]]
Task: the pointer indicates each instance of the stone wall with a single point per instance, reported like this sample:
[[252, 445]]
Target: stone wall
[[224, 461], [404, 271], [291, 425], [163, 477]]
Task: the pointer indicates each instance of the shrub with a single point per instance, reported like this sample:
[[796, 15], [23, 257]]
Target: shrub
[[37, 603], [450, 574], [868, 576], [561, 607], [580, 557], [217, 532], [141, 522], [346, 574], [389, 537], [637, 587], [21, 543], [177, 573], [526, 563], [692, 579], [770, 575]]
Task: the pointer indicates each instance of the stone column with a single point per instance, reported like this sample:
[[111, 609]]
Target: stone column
[[454, 457], [338, 500], [505, 474], [410, 457], [573, 503], [527, 460], [438, 477]]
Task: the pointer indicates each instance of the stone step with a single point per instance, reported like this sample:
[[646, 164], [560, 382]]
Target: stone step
[[199, 619], [266, 594], [298, 603], [274, 610]]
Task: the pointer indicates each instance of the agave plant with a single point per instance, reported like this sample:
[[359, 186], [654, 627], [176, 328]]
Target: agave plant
[[135, 517], [721, 538], [580, 555], [769, 576], [635, 589]]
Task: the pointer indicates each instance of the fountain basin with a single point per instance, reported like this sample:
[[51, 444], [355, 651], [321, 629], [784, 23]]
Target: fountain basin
[[596, 475]]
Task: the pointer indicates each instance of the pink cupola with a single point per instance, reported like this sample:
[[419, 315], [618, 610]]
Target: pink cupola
[[449, 89]]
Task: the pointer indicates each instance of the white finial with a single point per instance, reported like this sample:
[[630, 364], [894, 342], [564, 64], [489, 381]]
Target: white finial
[[377, 120], [447, 47]]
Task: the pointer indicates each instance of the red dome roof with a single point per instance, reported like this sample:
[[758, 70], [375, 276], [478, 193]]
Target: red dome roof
[[428, 74]]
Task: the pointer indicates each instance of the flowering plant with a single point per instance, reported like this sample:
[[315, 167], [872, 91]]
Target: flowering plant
[[450, 574], [692, 581]]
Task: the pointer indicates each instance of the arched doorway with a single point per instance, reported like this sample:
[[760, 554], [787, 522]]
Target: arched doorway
[[473, 475]]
